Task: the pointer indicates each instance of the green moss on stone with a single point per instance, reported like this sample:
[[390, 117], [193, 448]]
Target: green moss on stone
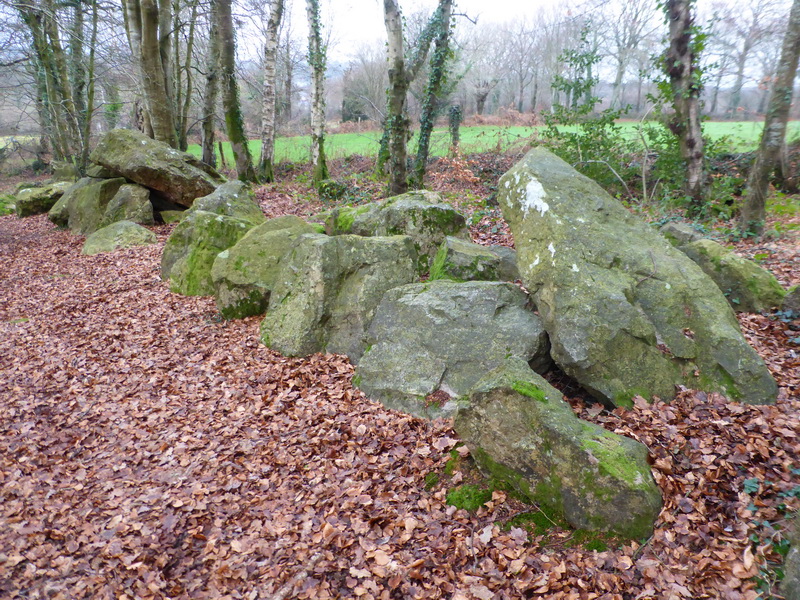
[[528, 389], [615, 461]]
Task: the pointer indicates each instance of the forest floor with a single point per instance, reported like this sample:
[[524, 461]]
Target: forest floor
[[149, 449]]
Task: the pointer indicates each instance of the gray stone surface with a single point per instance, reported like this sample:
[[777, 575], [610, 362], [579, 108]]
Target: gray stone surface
[[38, 200], [460, 260], [130, 203], [245, 274], [328, 289], [443, 335], [627, 313]]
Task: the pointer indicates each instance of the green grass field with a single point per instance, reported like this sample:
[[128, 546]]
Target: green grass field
[[743, 136]]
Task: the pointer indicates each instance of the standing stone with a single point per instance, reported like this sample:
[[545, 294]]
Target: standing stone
[[627, 313], [245, 274], [130, 203], [178, 176], [443, 336], [328, 289], [521, 432]]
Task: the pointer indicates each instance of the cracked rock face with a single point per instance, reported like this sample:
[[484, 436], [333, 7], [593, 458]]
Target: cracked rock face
[[627, 313]]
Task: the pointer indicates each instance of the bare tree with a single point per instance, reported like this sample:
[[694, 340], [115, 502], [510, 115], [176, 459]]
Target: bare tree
[[751, 219], [680, 63], [317, 58]]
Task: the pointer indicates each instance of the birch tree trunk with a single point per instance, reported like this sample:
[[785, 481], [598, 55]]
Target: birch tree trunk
[[265, 166], [212, 86], [684, 79], [234, 121], [400, 78], [753, 214], [317, 59]]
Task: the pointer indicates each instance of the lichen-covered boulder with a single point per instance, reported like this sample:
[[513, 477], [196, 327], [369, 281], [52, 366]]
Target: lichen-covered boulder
[[627, 313], [99, 172], [327, 291], [121, 234], [245, 274], [192, 248], [173, 216], [420, 214], [38, 200], [460, 260], [130, 203], [508, 270], [521, 431], [177, 176], [443, 336], [64, 171], [83, 205], [791, 301], [680, 233], [747, 286], [232, 199]]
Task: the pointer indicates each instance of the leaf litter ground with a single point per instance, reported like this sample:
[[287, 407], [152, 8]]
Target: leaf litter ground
[[149, 449]]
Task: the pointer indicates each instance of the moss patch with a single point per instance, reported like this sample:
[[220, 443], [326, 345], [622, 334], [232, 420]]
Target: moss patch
[[528, 389], [469, 497]]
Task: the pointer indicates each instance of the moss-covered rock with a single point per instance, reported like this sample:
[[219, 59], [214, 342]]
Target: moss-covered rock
[[39, 200], [747, 286], [192, 248], [64, 171], [245, 274], [522, 432], [178, 176], [508, 270], [121, 234], [444, 336], [627, 313], [99, 172], [422, 215], [460, 260], [173, 216], [232, 199], [791, 301], [130, 203], [679, 234], [83, 205], [328, 289]]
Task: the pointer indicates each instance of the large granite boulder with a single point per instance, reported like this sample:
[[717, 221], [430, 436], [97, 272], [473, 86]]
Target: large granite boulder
[[328, 289], [121, 234], [443, 336], [747, 286], [627, 313], [192, 248], [420, 214], [130, 203], [177, 176], [232, 199], [521, 431], [83, 206], [460, 260], [678, 233], [245, 274], [38, 200], [508, 270]]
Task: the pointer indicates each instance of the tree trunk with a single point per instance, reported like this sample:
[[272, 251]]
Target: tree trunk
[[317, 59], [430, 105], [212, 86], [400, 78], [684, 79], [87, 123], [159, 103], [265, 166], [230, 93], [77, 66], [751, 219]]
